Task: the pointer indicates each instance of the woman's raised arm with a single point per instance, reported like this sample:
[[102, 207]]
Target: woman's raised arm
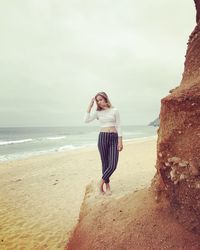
[[90, 117]]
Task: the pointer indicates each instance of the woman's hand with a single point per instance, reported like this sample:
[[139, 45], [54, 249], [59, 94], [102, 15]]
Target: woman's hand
[[92, 102], [120, 146]]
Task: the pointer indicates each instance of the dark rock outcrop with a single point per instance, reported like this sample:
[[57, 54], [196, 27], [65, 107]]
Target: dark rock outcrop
[[154, 123], [178, 147]]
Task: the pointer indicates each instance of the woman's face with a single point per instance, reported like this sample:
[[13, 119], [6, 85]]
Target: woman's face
[[101, 102]]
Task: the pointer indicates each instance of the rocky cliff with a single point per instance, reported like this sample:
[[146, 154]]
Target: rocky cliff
[[178, 146]]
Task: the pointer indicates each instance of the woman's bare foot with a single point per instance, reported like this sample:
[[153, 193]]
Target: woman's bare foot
[[108, 191], [100, 185]]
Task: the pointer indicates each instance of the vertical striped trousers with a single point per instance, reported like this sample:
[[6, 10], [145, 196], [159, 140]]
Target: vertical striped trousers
[[109, 154]]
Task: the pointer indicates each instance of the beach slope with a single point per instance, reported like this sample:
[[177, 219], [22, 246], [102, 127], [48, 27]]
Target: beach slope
[[134, 221]]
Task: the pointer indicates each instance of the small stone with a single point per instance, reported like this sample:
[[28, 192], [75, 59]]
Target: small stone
[[173, 174], [175, 182], [182, 177], [174, 159], [160, 154], [167, 164], [179, 132], [183, 164]]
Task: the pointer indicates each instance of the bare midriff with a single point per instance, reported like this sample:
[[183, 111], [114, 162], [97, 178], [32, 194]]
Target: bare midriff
[[109, 129]]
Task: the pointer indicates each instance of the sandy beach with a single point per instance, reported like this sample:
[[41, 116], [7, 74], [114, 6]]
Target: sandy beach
[[41, 196]]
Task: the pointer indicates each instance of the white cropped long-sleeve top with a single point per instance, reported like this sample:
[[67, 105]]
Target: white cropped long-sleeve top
[[107, 118]]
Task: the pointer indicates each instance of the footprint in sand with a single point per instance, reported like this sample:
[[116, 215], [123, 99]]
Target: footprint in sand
[[55, 182], [18, 180]]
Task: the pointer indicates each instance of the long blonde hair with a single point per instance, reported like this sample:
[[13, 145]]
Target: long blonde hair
[[105, 96]]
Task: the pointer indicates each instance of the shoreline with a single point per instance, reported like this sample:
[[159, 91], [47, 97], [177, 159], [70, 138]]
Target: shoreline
[[76, 149], [42, 195]]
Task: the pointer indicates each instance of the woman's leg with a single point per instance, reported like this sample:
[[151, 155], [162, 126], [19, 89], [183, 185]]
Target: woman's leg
[[103, 143], [113, 156]]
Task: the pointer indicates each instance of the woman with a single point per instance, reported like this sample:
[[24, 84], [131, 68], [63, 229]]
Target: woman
[[110, 136]]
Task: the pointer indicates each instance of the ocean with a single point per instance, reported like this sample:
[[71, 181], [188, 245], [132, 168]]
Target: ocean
[[22, 142]]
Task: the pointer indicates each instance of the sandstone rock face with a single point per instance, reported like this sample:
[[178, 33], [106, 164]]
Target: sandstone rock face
[[197, 4], [178, 146]]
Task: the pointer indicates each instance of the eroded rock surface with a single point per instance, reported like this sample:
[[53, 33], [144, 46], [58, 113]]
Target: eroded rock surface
[[178, 147]]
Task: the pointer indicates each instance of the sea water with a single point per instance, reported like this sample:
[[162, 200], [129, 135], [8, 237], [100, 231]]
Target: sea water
[[22, 142]]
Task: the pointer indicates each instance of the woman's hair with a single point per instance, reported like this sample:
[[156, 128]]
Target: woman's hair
[[105, 96]]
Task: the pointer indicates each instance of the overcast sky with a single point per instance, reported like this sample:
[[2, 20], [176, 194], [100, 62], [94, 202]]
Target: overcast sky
[[56, 55]]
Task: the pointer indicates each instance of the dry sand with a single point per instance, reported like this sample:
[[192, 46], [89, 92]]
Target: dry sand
[[40, 197], [133, 222]]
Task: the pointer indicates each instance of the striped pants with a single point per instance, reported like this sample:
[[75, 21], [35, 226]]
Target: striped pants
[[107, 145]]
